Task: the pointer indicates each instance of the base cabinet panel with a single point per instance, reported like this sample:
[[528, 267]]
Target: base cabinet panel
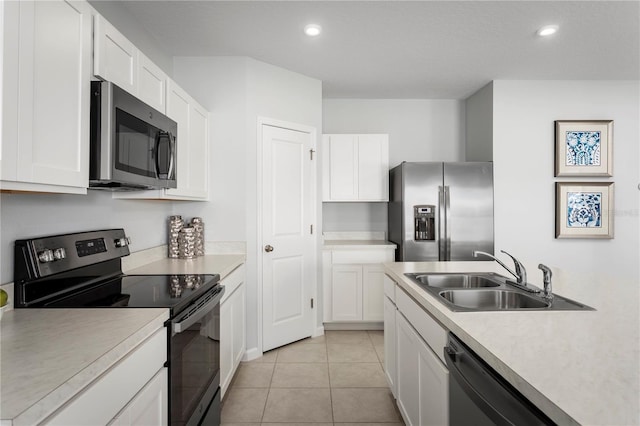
[[346, 286], [232, 327], [150, 405], [354, 284], [390, 344], [421, 378], [117, 390]]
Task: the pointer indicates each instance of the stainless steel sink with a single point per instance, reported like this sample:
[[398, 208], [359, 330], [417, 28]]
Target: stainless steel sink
[[487, 291], [492, 300], [456, 280]]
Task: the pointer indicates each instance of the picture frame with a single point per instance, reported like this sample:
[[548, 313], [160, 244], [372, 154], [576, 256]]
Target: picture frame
[[584, 209], [584, 148]]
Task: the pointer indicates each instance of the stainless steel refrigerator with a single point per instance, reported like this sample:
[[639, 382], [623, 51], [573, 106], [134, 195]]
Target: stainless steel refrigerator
[[441, 211]]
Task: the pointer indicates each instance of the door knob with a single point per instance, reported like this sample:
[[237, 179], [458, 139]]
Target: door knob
[[268, 248]]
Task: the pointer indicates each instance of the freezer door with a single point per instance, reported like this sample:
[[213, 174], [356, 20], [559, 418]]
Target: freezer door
[[421, 185], [469, 215]]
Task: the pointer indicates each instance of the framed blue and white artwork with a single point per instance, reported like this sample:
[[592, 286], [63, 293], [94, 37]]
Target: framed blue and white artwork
[[584, 210], [584, 148]]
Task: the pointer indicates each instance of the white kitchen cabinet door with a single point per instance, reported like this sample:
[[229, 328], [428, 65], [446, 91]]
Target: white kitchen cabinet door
[[408, 385], [434, 387], [353, 283], [390, 345], [340, 167], [46, 124], [355, 167], [372, 292], [115, 58], [422, 379], [104, 400], [346, 293], [152, 84], [373, 167], [150, 406], [192, 144], [232, 326]]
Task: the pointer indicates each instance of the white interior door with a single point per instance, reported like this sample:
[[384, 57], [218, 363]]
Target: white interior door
[[287, 242]]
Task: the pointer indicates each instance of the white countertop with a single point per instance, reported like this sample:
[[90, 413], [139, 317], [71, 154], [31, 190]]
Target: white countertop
[[222, 264], [357, 244], [576, 366], [49, 355]]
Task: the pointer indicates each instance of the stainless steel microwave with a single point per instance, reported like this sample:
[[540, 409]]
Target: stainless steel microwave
[[133, 146]]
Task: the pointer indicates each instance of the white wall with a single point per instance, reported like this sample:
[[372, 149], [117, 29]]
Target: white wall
[[33, 215], [479, 125], [419, 130], [237, 91], [523, 150]]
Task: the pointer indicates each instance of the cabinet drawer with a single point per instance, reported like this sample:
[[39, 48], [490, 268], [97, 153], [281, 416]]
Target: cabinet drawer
[[430, 330], [390, 288], [232, 281], [104, 398], [361, 256]]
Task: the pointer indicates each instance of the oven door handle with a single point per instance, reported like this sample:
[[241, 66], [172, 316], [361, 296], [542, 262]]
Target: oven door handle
[[202, 307]]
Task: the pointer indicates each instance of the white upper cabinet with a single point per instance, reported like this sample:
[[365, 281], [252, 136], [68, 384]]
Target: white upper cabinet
[[193, 141], [356, 167], [118, 60], [45, 96], [115, 58], [192, 144], [152, 83]]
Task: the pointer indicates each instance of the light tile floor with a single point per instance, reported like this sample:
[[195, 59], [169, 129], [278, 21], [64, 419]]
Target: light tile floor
[[335, 379]]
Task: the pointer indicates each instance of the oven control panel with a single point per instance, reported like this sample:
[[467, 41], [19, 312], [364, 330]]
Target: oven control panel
[[88, 247], [44, 256]]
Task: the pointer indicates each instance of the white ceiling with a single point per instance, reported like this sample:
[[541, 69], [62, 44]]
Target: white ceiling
[[407, 49]]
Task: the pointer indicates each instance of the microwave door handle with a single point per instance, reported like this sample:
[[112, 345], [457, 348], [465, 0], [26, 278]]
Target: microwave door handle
[[159, 136], [172, 148]]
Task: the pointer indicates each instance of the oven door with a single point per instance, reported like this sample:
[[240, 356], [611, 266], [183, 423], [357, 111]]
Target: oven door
[[194, 363]]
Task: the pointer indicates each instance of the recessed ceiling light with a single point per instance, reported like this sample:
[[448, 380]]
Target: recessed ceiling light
[[547, 30], [312, 30]]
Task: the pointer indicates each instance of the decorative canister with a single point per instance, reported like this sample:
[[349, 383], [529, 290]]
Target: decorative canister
[[187, 242], [175, 225], [198, 224]]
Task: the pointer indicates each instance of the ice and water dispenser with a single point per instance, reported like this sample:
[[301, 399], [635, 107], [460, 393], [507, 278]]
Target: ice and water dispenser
[[424, 218]]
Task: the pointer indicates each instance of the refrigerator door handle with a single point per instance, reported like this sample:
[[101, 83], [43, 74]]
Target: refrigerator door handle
[[447, 222], [442, 213]]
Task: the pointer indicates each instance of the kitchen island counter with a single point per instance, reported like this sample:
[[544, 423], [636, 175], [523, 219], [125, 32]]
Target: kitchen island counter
[[579, 367]]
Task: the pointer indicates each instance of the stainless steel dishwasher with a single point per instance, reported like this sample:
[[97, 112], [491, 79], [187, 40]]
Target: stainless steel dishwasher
[[479, 396]]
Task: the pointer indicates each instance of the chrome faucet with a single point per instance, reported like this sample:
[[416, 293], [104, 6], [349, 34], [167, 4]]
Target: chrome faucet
[[520, 272], [546, 278]]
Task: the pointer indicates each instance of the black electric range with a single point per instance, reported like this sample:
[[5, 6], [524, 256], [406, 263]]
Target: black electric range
[[84, 270]]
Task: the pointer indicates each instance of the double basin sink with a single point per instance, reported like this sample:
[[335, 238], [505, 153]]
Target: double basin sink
[[487, 292]]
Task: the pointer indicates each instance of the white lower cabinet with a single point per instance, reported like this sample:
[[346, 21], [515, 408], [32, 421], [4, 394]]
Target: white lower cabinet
[[353, 284], [413, 364], [390, 345], [134, 391], [346, 293], [232, 326], [149, 407]]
